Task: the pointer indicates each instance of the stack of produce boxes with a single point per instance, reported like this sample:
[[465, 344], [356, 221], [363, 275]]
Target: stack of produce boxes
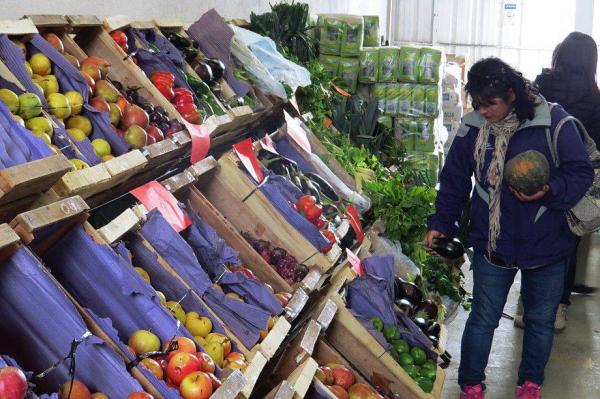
[[405, 81]]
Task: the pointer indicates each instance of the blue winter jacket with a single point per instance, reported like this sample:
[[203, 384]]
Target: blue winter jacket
[[533, 233]]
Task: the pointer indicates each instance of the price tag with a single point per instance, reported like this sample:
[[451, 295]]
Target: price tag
[[267, 144], [340, 90], [245, 153], [296, 133], [294, 103], [355, 223], [154, 195], [200, 141], [355, 262]]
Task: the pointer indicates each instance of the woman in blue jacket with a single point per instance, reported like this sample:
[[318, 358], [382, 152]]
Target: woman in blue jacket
[[510, 231]]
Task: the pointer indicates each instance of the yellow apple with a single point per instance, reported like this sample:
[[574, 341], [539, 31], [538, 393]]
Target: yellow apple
[[40, 64], [40, 123], [177, 311], [142, 273], [198, 325], [75, 100], [101, 147], [77, 134], [59, 105]]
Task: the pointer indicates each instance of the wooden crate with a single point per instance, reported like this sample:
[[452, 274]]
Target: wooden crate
[[257, 215], [356, 344], [129, 222], [64, 215], [90, 38]]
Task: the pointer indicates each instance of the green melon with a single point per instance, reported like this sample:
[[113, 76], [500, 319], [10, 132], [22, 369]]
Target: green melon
[[527, 172]]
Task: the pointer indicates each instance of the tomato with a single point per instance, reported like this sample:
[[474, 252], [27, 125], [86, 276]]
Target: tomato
[[165, 90], [119, 37], [162, 76], [305, 202], [313, 213], [330, 235], [320, 223]]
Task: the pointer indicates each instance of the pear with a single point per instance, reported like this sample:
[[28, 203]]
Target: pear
[[59, 105], [11, 100], [40, 123], [75, 100], [30, 105], [80, 122], [40, 64], [214, 349]]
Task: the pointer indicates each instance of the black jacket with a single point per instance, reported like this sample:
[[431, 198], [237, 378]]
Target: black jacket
[[576, 96]]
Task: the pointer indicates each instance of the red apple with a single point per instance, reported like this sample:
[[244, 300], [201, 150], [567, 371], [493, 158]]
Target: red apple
[[78, 391], [140, 395], [150, 140], [196, 385], [207, 364], [184, 344], [154, 132], [234, 360], [54, 42], [244, 270], [143, 341], [325, 375], [13, 383], [343, 377], [181, 365], [216, 383], [339, 392], [99, 395], [134, 115], [136, 136], [100, 104], [154, 367]]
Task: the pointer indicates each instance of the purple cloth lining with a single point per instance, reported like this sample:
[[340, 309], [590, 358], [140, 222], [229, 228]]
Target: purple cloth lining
[[7, 361], [101, 280], [213, 253], [39, 323], [287, 150], [244, 320], [214, 39], [282, 194], [69, 78], [15, 60], [164, 281]]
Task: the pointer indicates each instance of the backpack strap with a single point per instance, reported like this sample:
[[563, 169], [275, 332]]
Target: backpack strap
[[552, 139]]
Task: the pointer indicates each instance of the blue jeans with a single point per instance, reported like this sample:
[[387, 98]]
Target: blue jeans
[[541, 292]]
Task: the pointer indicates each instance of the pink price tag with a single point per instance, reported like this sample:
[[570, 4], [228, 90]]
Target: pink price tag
[[355, 262], [267, 144], [245, 153], [294, 103], [154, 195], [295, 131], [200, 141]]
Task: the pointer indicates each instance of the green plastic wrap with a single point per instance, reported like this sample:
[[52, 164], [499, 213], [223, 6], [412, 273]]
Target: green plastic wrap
[[405, 98], [352, 35], [403, 132], [369, 59], [392, 98], [418, 100], [386, 121], [424, 140], [331, 64], [331, 34], [407, 64], [388, 64], [348, 73], [428, 68], [378, 93], [431, 100], [371, 31]]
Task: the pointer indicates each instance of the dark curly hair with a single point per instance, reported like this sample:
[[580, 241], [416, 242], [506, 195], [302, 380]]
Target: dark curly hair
[[491, 78]]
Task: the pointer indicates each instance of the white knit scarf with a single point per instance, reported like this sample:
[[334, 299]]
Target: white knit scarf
[[503, 131]]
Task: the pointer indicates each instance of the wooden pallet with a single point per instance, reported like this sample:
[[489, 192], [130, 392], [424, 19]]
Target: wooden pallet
[[356, 344], [9, 242]]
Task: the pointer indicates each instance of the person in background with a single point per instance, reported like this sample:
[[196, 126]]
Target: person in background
[[571, 82], [507, 234]]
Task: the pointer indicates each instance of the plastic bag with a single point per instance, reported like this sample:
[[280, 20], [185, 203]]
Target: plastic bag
[[280, 68], [348, 73], [371, 30], [418, 100], [407, 64], [403, 265], [352, 35], [369, 59], [331, 34], [331, 64], [378, 92], [388, 64], [256, 71], [428, 68]]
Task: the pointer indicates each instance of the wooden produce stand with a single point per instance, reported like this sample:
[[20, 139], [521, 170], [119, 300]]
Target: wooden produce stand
[[64, 214], [356, 344], [59, 218]]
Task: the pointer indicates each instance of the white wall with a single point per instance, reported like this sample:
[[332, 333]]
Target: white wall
[[185, 10]]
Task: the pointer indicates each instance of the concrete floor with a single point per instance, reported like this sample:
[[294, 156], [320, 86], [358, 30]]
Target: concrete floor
[[573, 371]]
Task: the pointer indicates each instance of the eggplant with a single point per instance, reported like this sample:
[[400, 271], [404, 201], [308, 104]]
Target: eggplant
[[448, 247], [309, 188], [427, 308], [434, 340], [405, 306], [348, 239], [217, 66], [190, 53], [408, 290], [434, 329], [326, 188], [421, 323], [205, 72], [179, 41]]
